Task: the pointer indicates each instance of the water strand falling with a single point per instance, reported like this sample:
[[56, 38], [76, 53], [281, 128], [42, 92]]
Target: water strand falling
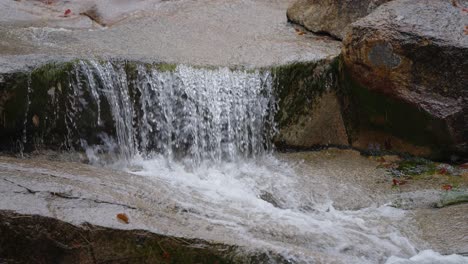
[[24, 137], [187, 113]]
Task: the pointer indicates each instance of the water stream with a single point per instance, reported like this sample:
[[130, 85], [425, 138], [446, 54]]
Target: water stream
[[185, 113], [207, 134]]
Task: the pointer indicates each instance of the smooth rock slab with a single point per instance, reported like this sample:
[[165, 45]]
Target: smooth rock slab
[[77, 193], [252, 33]]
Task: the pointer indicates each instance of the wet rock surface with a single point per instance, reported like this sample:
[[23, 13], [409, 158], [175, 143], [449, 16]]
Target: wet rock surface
[[41, 45], [331, 16], [58, 105], [329, 206], [67, 192], [409, 58], [309, 110], [221, 33]]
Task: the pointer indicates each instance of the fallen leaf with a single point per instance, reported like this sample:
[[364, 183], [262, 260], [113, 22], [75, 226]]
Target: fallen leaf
[[67, 13], [398, 182], [123, 218], [447, 187], [35, 120], [443, 171], [300, 33]]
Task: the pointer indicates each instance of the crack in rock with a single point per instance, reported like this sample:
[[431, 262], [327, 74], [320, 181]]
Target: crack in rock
[[66, 196]]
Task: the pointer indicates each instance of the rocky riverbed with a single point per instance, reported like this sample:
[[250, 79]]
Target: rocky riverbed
[[200, 131], [262, 208]]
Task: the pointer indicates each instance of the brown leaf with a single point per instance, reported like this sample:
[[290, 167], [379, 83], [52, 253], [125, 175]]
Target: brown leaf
[[443, 171], [447, 187], [399, 182], [35, 120], [123, 218]]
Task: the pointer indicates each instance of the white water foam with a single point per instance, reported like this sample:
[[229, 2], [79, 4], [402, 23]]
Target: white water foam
[[429, 257], [262, 201]]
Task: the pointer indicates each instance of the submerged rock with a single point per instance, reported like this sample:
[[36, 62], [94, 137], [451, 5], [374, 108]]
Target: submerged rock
[[330, 16], [405, 70]]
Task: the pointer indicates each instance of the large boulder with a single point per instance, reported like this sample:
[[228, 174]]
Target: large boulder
[[330, 16], [406, 73]]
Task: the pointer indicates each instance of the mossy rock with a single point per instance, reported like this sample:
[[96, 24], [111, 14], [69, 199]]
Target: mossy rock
[[34, 106], [299, 85], [453, 198], [38, 239], [414, 167]]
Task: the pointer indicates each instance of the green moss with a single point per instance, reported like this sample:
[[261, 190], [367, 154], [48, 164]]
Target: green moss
[[166, 67], [131, 68], [453, 198], [416, 166], [299, 86], [152, 248], [60, 242], [44, 88]]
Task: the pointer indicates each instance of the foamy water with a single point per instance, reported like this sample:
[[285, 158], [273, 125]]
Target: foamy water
[[262, 200]]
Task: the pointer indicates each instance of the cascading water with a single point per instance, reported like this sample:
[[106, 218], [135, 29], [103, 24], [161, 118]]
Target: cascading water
[[220, 122], [187, 113]]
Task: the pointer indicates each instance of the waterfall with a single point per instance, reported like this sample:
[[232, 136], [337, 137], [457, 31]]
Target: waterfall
[[184, 113]]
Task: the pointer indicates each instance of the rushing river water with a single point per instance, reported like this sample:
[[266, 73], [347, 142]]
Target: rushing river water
[[207, 134]]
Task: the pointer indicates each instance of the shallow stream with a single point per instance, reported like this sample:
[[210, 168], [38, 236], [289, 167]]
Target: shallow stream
[[201, 139]]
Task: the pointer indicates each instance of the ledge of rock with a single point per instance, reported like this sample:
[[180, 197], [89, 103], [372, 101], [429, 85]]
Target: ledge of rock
[[405, 68], [330, 16], [45, 108], [35, 238], [214, 33], [40, 45], [67, 212]]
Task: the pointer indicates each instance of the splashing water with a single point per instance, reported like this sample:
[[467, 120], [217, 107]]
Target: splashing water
[[207, 135], [187, 113], [265, 203]]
